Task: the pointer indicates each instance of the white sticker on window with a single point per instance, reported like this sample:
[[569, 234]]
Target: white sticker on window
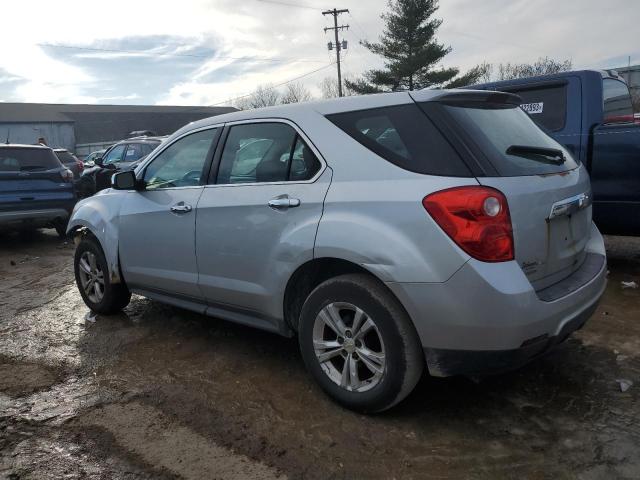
[[533, 108]]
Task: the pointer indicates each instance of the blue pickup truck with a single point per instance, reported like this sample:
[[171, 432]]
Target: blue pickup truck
[[591, 113]]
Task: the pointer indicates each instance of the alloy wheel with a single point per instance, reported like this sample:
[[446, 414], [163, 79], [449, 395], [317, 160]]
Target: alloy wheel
[[349, 347], [91, 277]]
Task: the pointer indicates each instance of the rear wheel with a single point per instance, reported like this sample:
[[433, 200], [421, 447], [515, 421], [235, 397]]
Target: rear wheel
[[92, 278], [61, 227], [359, 344]]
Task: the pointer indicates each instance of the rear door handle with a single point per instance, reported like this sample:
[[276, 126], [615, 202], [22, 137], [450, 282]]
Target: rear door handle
[[181, 208], [283, 202]]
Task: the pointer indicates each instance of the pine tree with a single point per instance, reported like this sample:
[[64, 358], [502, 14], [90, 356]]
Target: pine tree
[[411, 52]]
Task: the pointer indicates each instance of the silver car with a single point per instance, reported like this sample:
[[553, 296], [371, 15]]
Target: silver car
[[388, 232]]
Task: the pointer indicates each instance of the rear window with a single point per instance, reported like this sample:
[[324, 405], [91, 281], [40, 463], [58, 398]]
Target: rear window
[[617, 101], [65, 157], [496, 130], [27, 159], [404, 136], [546, 105]]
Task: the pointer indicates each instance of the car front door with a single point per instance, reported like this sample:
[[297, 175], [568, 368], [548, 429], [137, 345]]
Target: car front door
[[257, 219], [157, 224]]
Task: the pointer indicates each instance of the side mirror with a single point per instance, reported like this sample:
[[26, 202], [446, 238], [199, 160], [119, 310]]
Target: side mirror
[[124, 181], [98, 161]]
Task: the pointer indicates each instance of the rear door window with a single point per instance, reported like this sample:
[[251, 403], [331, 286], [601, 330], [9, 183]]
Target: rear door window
[[404, 136], [27, 160], [618, 107], [511, 142], [547, 105], [266, 152]]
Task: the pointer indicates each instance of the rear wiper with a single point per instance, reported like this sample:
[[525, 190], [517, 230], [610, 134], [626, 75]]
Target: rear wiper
[[538, 154]]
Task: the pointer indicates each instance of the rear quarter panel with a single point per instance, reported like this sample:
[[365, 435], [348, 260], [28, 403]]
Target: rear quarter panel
[[373, 214]]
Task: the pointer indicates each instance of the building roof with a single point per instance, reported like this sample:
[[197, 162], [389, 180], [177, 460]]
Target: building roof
[[97, 123]]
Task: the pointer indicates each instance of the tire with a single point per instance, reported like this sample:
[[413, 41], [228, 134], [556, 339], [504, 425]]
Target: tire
[[61, 228], [115, 296], [392, 346]]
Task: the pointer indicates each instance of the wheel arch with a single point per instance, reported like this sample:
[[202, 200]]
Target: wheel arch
[[311, 274]]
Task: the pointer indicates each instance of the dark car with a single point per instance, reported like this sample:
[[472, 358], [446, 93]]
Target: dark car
[[36, 189], [124, 155], [70, 161], [591, 113]]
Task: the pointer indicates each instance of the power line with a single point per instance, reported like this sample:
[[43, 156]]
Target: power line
[[274, 86], [288, 4], [189, 55]]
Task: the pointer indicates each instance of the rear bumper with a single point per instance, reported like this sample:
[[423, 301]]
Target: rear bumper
[[487, 316], [41, 216]]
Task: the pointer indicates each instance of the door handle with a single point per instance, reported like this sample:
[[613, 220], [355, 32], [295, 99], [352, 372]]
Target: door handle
[[283, 202], [181, 208]]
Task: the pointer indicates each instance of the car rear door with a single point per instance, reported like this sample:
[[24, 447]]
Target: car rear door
[[157, 224], [258, 217], [615, 163]]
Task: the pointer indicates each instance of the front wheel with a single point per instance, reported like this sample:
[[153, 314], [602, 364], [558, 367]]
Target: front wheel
[[94, 284], [359, 344]]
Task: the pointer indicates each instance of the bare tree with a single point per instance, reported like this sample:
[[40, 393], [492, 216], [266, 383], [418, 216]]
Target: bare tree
[[329, 87], [263, 96], [542, 66], [294, 93]]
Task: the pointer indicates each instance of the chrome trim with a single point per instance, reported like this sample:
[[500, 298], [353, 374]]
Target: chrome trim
[[570, 205]]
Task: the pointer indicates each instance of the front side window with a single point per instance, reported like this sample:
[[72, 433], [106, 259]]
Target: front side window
[[182, 163], [265, 152], [617, 102], [115, 154]]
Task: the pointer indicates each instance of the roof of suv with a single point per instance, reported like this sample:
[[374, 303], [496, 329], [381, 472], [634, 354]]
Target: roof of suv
[[323, 107], [21, 145]]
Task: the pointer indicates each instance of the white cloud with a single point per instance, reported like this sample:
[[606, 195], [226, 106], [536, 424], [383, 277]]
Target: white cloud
[[590, 32]]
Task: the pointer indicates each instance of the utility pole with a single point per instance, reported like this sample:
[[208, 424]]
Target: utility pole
[[338, 46]]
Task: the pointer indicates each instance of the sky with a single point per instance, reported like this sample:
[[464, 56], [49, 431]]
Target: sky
[[208, 52]]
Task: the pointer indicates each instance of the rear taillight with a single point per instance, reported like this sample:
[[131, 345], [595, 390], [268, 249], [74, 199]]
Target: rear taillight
[[80, 165], [67, 175], [476, 218]]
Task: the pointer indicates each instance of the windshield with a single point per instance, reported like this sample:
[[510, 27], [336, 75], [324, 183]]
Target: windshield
[[27, 159], [511, 141]]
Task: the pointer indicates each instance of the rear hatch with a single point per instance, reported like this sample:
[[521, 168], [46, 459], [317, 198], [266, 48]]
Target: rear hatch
[[547, 192], [31, 178]]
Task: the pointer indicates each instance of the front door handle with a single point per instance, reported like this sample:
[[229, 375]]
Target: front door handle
[[181, 208], [283, 202]]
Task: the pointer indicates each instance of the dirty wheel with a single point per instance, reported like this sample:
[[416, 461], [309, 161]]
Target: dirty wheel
[[61, 228], [92, 278], [359, 344]]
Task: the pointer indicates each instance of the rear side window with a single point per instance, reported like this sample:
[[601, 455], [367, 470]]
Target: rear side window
[[512, 143], [404, 136], [546, 105], [27, 159], [617, 102], [65, 157]]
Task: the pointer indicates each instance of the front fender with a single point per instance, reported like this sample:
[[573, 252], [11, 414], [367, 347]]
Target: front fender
[[99, 214]]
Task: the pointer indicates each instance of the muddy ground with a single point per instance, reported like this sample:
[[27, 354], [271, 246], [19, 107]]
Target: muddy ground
[[158, 392]]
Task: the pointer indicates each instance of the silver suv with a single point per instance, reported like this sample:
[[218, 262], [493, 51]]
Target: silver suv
[[388, 232]]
